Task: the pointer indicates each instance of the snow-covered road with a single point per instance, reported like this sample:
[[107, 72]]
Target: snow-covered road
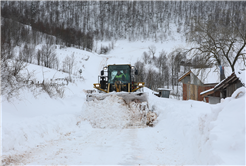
[[110, 146]]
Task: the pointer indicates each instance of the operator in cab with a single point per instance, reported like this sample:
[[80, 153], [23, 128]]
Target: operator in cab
[[119, 76]]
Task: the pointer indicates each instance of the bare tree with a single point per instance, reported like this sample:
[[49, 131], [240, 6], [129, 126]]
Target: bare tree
[[145, 57], [141, 71], [174, 62], [38, 55], [12, 80], [160, 61], [11, 77], [68, 65], [152, 50], [28, 53], [153, 79], [71, 64], [48, 55], [218, 43]]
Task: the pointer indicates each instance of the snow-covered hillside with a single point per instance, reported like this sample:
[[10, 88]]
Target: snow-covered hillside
[[43, 130]]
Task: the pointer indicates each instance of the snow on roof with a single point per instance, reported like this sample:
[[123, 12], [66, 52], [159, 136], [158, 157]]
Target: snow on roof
[[206, 91], [220, 83], [164, 89], [120, 63], [182, 76], [210, 75], [241, 75]]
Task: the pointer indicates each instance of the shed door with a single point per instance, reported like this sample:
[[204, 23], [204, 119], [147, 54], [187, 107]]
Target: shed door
[[192, 92]]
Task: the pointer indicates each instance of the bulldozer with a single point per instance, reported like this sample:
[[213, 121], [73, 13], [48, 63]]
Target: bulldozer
[[118, 79]]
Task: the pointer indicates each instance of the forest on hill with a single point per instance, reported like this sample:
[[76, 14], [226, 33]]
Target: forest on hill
[[133, 20]]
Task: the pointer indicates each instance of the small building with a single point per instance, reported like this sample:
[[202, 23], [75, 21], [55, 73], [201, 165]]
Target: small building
[[211, 96], [196, 81], [225, 89], [164, 92]]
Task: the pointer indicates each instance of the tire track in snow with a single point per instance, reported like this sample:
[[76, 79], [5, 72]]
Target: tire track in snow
[[110, 146]]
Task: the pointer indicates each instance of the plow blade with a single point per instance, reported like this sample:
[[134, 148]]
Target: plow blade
[[127, 96]]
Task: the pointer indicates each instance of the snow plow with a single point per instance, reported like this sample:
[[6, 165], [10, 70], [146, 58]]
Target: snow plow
[[118, 80]]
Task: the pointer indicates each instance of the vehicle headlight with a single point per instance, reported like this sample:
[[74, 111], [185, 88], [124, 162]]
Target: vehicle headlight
[[140, 84], [97, 85]]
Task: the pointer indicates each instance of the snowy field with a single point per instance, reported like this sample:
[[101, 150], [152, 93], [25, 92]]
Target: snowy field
[[70, 131]]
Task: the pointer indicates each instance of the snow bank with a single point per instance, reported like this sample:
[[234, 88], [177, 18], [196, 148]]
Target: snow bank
[[22, 135], [182, 120], [227, 135], [212, 134], [30, 121]]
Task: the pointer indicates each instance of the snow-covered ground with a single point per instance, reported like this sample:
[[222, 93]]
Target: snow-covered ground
[[130, 52], [50, 131]]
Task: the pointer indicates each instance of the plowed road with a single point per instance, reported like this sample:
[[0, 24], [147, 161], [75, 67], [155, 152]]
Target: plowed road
[[110, 146]]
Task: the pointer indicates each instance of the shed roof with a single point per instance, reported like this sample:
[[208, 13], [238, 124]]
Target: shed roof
[[226, 82]]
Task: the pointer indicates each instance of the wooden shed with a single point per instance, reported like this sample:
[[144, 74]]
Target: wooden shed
[[225, 88], [196, 81]]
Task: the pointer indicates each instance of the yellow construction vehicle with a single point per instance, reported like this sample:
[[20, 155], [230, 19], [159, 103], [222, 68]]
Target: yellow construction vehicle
[[119, 79]]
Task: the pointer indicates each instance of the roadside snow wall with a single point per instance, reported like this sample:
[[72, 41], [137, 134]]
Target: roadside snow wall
[[25, 134], [29, 122], [212, 134], [227, 129]]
